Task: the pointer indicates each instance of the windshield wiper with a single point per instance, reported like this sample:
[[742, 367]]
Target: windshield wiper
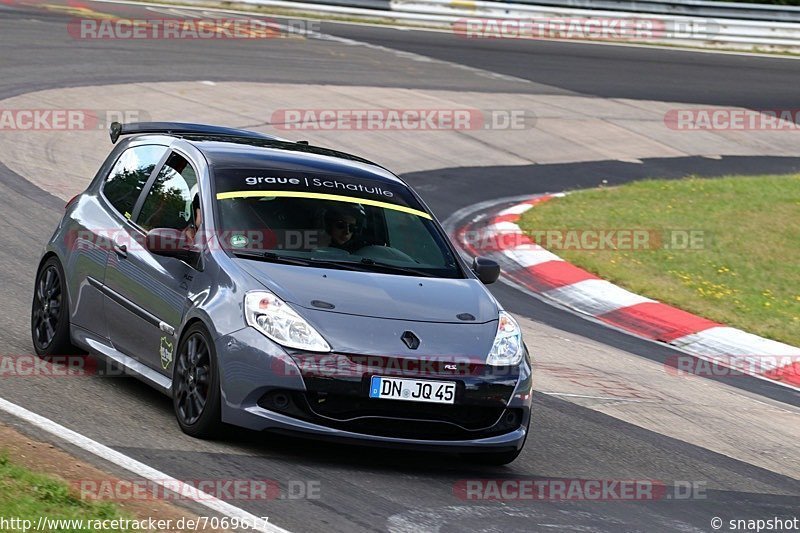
[[394, 268], [371, 264], [273, 257], [311, 261]]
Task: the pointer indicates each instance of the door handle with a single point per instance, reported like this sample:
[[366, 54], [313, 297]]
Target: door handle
[[121, 249]]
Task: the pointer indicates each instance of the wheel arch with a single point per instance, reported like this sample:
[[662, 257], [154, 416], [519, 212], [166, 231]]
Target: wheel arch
[[51, 254], [47, 255], [179, 337]]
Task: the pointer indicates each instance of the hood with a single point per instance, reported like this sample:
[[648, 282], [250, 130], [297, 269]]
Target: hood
[[375, 294]]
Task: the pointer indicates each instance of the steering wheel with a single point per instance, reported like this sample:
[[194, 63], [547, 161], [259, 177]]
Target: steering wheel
[[380, 253]]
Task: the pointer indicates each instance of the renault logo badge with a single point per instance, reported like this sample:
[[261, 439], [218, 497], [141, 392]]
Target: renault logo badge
[[410, 340]]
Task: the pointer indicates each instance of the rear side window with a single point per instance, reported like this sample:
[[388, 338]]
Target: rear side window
[[168, 203], [129, 175]]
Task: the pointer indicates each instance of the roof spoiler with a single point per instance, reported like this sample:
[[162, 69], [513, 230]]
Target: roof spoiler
[[182, 128]]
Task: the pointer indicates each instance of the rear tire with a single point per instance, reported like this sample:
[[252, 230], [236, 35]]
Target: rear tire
[[50, 312], [196, 396]]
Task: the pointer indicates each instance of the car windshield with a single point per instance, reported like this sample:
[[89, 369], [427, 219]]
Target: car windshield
[[330, 221]]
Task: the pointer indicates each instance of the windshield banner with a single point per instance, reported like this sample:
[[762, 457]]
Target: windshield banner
[[267, 183]]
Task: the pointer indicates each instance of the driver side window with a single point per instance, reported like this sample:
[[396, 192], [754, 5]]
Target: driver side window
[[169, 201]]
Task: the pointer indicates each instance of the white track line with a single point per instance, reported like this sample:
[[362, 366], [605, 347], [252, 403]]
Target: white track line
[[132, 465]]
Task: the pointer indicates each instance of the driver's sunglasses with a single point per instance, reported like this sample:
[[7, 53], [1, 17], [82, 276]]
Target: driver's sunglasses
[[350, 228]]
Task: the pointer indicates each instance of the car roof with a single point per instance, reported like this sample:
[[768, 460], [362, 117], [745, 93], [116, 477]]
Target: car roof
[[279, 154], [230, 152]]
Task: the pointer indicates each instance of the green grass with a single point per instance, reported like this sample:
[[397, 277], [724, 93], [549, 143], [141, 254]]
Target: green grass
[[27, 495], [747, 272]]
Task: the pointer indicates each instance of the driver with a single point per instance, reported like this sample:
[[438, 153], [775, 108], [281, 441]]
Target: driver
[[343, 224], [195, 218]]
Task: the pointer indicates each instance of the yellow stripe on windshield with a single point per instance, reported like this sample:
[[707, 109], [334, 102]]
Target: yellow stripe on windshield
[[321, 196]]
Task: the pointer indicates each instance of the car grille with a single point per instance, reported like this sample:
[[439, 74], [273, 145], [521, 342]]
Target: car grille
[[392, 418]]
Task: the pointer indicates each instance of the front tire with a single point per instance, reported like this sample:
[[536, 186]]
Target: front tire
[[196, 396], [50, 312]]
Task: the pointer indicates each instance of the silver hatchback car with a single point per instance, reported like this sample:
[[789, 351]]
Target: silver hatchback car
[[278, 286]]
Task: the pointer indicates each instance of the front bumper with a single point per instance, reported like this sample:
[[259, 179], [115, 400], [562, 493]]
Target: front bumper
[[326, 396]]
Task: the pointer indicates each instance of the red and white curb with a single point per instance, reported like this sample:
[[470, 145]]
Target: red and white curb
[[541, 272]]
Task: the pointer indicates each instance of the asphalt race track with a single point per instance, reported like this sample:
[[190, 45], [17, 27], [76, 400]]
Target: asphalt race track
[[379, 490]]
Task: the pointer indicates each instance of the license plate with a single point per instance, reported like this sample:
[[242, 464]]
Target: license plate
[[413, 390]]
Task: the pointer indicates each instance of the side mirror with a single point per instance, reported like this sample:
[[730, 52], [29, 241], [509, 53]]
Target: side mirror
[[486, 269], [168, 242]]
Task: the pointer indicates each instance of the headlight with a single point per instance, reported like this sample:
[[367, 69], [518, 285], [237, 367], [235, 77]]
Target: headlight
[[274, 318], [507, 347]]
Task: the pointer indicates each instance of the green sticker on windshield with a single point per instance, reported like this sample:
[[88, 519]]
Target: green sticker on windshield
[[238, 241]]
